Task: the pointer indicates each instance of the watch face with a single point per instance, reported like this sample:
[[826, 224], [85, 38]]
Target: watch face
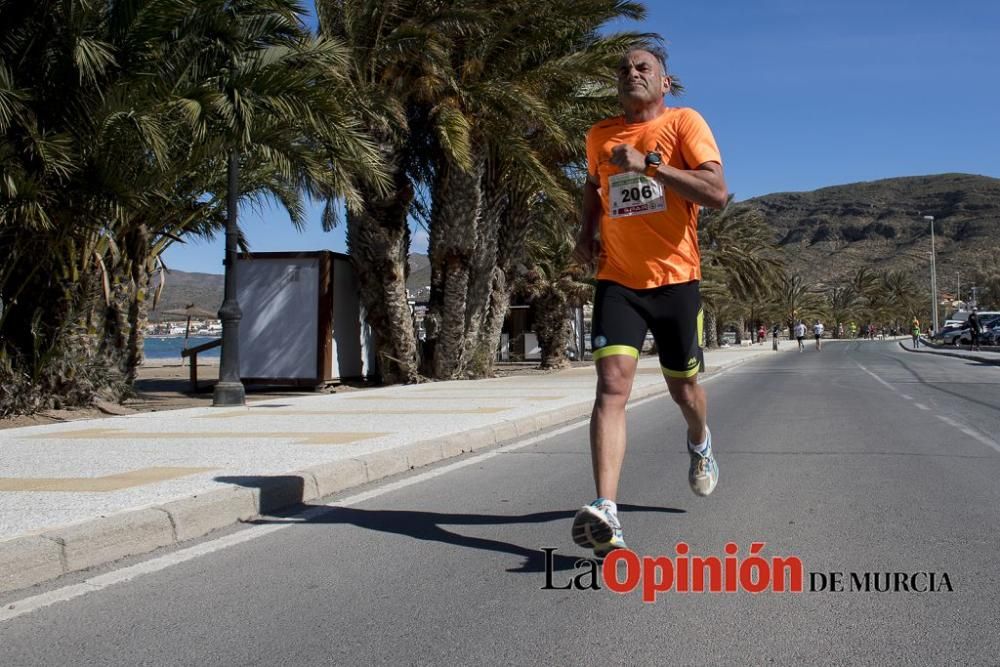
[[653, 158]]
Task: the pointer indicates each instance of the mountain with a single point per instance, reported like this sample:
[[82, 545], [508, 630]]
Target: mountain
[[828, 234], [204, 290], [419, 280]]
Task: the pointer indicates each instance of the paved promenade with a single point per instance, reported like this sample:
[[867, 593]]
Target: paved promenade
[[80, 494]]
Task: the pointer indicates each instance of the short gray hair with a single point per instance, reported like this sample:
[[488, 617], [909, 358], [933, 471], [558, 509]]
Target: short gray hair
[[654, 50]]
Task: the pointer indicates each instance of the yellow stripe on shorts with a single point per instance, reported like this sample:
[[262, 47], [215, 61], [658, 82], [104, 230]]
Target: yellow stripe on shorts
[[701, 327], [612, 350], [680, 374]]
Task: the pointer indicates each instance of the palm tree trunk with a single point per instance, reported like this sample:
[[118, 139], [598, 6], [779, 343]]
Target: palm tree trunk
[[506, 211], [708, 328], [455, 222], [482, 279], [138, 306], [485, 350], [552, 326], [378, 240]]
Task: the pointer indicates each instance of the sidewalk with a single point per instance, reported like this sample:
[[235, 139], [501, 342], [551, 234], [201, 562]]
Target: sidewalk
[[926, 347], [80, 494]]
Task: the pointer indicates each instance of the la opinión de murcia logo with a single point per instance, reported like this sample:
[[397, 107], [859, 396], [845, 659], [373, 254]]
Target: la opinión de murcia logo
[[623, 571]]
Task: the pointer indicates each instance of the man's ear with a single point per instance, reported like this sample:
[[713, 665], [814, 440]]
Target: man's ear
[[666, 85]]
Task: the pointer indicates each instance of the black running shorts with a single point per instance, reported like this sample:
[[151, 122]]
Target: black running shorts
[[673, 313]]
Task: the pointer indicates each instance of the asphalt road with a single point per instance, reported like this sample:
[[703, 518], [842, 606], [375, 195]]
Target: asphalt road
[[862, 458]]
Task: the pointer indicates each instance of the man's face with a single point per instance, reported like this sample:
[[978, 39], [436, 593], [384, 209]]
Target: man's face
[[641, 78]]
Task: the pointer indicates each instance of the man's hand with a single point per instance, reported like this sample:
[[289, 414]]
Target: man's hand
[[627, 158]]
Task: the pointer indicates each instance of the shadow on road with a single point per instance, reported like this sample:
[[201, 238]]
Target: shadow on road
[[428, 526]]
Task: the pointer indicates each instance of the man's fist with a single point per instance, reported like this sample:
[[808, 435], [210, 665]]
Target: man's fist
[[586, 251], [627, 158]]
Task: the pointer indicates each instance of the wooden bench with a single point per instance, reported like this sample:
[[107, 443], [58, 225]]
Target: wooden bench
[[193, 353]]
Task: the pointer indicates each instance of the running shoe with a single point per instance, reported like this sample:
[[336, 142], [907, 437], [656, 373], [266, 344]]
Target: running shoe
[[596, 527], [703, 474]]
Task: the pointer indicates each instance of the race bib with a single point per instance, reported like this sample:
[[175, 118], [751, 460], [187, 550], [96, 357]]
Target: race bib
[[635, 194]]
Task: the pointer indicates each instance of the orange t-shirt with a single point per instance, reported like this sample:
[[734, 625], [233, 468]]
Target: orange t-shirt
[[657, 248]]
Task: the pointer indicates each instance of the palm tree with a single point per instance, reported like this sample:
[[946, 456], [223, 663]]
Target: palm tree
[[796, 299], [527, 112], [399, 66], [739, 255], [903, 297], [865, 283], [551, 281], [116, 122], [843, 302]]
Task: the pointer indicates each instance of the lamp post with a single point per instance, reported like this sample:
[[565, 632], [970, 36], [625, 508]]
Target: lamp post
[[934, 294], [229, 389]]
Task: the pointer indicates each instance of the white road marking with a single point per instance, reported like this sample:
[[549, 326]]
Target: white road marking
[[971, 432], [907, 397], [27, 605], [891, 388]]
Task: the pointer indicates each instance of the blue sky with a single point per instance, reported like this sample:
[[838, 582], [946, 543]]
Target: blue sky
[[799, 94]]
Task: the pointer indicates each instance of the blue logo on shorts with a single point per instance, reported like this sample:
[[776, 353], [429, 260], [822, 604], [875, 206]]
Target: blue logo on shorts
[[600, 341]]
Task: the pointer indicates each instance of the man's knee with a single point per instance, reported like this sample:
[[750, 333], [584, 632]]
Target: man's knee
[[684, 392], [614, 384]]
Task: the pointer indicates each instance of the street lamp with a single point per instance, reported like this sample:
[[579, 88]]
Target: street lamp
[[229, 389], [934, 294]]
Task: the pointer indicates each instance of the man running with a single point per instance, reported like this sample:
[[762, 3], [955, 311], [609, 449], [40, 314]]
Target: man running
[[818, 333], [800, 334], [915, 332], [649, 170]]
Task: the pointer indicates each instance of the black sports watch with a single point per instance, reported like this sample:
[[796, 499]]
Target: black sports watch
[[653, 162]]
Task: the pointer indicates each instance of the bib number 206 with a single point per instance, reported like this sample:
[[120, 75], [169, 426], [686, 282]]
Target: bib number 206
[[635, 194]]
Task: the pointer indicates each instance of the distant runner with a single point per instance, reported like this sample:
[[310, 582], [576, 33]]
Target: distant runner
[[800, 334], [915, 332], [818, 333]]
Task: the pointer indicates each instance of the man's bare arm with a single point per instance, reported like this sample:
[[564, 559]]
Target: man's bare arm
[[586, 245], [705, 185]]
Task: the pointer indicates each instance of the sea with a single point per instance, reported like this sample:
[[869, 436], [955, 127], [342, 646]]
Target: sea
[[170, 347]]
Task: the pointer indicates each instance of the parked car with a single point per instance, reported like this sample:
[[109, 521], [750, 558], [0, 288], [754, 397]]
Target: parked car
[[986, 324], [949, 331], [952, 336], [991, 336], [963, 336]]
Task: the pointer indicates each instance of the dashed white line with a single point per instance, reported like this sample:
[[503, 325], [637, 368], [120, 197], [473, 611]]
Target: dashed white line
[[877, 378], [971, 432]]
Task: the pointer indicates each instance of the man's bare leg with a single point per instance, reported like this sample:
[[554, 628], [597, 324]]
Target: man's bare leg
[[690, 397], [703, 475], [607, 422]]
